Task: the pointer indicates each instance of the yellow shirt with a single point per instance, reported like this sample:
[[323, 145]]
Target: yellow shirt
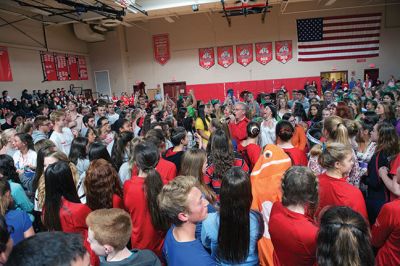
[[200, 126]]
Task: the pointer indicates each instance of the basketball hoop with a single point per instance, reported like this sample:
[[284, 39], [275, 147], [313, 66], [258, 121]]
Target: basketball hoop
[[125, 3]]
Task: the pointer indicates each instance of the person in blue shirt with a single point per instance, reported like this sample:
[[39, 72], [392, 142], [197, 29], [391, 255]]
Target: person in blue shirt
[[233, 232], [182, 202], [16, 219]]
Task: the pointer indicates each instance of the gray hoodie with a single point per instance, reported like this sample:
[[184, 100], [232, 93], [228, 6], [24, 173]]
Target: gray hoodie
[[38, 135]]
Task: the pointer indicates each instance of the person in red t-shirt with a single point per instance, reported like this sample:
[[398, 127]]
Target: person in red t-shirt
[[165, 168], [251, 150], [102, 186], [392, 184], [334, 190], [293, 231], [284, 132], [62, 209], [344, 238], [386, 234], [238, 127], [140, 200]]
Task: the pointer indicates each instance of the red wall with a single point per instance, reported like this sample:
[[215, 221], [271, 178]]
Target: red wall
[[210, 91]]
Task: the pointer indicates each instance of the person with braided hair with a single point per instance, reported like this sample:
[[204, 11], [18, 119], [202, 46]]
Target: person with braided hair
[[140, 200], [284, 132], [334, 130], [334, 190], [292, 219], [251, 150]]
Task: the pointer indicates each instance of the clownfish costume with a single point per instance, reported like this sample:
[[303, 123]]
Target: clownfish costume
[[266, 179]]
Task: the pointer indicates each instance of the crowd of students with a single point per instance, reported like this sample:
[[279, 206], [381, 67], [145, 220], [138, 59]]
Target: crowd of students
[[267, 179]]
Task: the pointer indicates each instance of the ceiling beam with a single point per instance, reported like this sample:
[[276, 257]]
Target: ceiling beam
[[228, 19]]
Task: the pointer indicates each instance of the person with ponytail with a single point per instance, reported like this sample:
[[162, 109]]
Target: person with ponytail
[[284, 133], [337, 159], [344, 239], [140, 200], [292, 219], [233, 232], [387, 148], [251, 150], [334, 130]]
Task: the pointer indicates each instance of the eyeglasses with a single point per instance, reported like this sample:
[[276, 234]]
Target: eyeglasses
[[238, 109]]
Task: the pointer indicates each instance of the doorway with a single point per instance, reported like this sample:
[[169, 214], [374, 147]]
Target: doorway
[[102, 82], [373, 74], [174, 89], [337, 75]]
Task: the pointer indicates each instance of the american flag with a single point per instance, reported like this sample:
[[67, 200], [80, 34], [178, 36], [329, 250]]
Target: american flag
[[339, 37]]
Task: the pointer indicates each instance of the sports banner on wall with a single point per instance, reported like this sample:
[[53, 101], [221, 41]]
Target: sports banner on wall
[[225, 56], [283, 51], [161, 48], [83, 72], [263, 52], [48, 66], [73, 67], [5, 69], [206, 57], [62, 67], [244, 54]]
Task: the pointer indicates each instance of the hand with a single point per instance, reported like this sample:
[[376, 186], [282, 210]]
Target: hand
[[383, 171], [231, 118]]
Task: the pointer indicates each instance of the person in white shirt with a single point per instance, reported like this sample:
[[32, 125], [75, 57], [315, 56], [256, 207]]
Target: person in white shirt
[[112, 115], [62, 136]]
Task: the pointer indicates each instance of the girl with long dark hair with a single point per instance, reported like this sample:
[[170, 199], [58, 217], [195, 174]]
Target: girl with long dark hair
[[387, 148], [62, 209], [292, 219], [221, 159], [121, 148], [233, 232], [203, 122], [140, 200], [78, 154]]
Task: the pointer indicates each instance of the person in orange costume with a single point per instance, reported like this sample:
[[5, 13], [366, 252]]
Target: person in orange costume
[[266, 180]]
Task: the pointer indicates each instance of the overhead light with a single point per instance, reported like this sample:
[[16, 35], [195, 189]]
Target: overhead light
[[330, 2], [169, 19], [100, 28], [40, 11], [131, 9]]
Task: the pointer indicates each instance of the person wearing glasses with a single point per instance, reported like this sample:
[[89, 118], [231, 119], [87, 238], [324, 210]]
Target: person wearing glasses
[[238, 127]]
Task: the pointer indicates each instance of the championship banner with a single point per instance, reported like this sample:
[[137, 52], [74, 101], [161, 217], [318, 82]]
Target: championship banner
[[48, 66], [161, 48], [244, 54], [5, 69], [263, 52], [62, 67], [73, 67], [83, 72], [206, 57], [225, 56], [283, 51]]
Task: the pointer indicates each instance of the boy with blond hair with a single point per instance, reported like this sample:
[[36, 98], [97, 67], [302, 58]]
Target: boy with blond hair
[[182, 202], [109, 233], [62, 136]]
